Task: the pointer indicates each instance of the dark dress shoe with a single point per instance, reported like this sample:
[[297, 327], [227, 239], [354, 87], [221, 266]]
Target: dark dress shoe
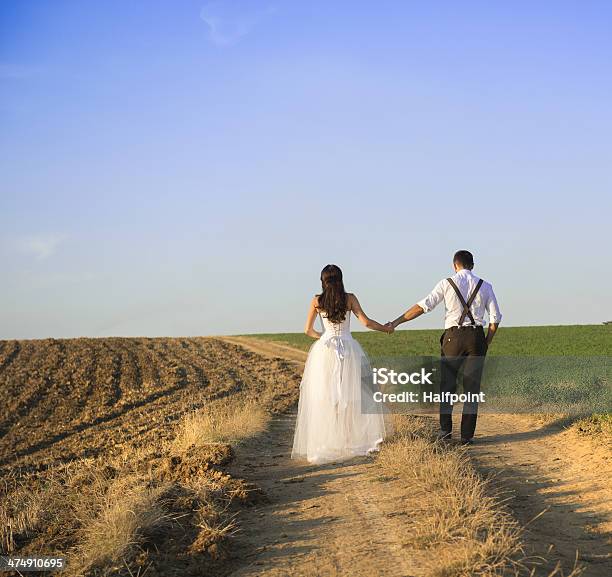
[[467, 441], [444, 436]]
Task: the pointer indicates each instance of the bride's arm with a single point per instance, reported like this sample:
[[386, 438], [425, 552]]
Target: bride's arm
[[310, 319], [364, 319]]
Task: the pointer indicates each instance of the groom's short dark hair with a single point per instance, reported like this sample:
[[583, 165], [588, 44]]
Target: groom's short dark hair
[[464, 258]]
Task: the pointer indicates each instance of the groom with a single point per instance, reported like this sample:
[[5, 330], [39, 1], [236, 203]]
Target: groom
[[464, 344]]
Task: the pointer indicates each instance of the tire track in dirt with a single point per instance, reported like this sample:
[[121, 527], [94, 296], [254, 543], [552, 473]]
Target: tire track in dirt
[[130, 381], [109, 379], [9, 353], [86, 375], [191, 350], [42, 362], [269, 349], [321, 520]]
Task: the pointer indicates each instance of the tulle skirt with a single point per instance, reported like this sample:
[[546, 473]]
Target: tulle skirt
[[336, 419]]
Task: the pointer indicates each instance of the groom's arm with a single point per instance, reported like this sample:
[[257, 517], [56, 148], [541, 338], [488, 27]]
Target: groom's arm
[[431, 301], [412, 313], [491, 332], [495, 315]]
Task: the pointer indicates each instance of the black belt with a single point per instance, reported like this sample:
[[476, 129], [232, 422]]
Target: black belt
[[457, 328]]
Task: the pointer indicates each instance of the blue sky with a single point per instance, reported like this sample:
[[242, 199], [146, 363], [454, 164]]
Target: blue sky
[[187, 168]]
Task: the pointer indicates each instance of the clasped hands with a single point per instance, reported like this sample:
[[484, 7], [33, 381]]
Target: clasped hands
[[389, 327]]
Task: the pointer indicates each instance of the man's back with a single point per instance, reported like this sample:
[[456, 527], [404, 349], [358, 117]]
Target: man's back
[[463, 344], [466, 281]]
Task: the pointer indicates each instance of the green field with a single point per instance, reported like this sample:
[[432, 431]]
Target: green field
[[574, 377], [574, 340]]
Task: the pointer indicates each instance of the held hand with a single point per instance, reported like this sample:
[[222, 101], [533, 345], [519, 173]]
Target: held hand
[[389, 328]]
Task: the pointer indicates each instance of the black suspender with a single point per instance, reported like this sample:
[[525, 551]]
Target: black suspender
[[468, 304]]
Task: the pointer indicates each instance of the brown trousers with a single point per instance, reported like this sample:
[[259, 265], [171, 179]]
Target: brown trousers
[[462, 347]]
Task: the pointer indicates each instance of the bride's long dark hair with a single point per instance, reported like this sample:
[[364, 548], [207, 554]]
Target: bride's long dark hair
[[333, 298]]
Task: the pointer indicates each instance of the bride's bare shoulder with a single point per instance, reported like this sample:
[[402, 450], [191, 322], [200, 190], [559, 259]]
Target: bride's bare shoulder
[[354, 304]]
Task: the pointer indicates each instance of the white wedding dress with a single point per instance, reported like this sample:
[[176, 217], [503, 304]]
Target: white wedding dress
[[332, 424]]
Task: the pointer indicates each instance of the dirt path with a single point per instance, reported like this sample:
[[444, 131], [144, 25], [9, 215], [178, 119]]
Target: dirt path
[[337, 519], [542, 468], [321, 520], [552, 469], [268, 349]]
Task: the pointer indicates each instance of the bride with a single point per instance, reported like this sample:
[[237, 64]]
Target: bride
[[332, 423]]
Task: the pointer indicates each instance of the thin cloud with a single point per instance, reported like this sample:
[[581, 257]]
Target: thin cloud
[[226, 27], [40, 247]]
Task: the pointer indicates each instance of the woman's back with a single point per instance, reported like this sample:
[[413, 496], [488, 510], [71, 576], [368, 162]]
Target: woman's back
[[341, 328]]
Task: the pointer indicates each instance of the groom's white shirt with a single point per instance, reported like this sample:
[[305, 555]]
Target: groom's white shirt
[[466, 281]]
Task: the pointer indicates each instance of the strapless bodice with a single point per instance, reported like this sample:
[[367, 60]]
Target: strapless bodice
[[334, 334], [341, 329]]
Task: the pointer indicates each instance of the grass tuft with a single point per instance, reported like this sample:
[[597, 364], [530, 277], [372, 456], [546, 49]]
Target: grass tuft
[[126, 514], [219, 423]]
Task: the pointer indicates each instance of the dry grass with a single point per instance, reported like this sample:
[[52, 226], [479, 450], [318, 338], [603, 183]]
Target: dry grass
[[456, 514], [127, 512], [104, 512], [221, 422], [97, 511], [597, 426], [106, 467], [214, 527], [20, 515], [454, 511], [31, 504]]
